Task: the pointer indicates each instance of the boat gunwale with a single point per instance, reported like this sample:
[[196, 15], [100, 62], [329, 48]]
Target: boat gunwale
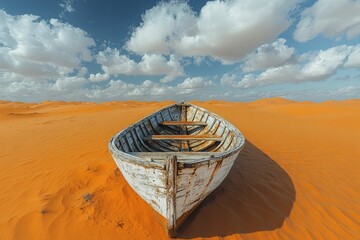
[[217, 156]]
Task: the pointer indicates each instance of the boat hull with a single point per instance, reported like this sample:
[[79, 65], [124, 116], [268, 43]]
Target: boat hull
[[171, 174], [192, 183]]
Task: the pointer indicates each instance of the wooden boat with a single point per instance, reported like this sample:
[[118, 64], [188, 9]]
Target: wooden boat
[[176, 157]]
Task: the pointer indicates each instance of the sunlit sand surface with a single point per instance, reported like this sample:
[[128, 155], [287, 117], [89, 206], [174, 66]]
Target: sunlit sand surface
[[297, 178]]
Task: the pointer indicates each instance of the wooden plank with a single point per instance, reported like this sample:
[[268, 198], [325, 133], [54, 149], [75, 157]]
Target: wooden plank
[[183, 113], [179, 155], [171, 171], [184, 144], [185, 137], [148, 182], [179, 123], [194, 184]]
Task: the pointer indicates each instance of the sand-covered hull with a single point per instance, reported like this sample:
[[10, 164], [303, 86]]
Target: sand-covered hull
[[175, 182]]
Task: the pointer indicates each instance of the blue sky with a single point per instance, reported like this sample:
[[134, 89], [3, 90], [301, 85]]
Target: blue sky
[[239, 50]]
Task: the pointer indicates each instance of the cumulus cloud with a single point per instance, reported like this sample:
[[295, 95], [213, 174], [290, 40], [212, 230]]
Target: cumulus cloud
[[330, 19], [224, 30], [75, 88], [120, 89], [35, 48], [229, 79], [66, 88], [98, 77], [158, 24], [69, 84], [196, 82], [286, 73], [114, 63], [268, 56], [117, 89], [312, 66], [324, 63]]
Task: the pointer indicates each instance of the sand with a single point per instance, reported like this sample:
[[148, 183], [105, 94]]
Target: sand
[[297, 178]]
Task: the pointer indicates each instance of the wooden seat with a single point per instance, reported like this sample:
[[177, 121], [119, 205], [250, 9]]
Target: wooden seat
[[179, 155], [185, 137], [180, 123]]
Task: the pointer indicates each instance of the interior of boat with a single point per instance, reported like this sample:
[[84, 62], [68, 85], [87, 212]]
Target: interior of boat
[[178, 128]]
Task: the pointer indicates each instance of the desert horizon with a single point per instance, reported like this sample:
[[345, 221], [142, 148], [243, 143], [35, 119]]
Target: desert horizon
[[295, 178]]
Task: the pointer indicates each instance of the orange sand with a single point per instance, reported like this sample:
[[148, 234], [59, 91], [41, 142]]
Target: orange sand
[[297, 178]]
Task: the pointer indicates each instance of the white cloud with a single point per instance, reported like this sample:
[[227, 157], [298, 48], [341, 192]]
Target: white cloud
[[324, 63], [330, 19], [76, 88], [114, 63], [158, 24], [229, 79], [117, 89], [268, 56], [312, 66], [82, 72], [69, 84], [286, 73], [224, 30], [157, 65], [196, 82], [98, 77], [62, 89], [34, 48], [67, 6], [354, 58]]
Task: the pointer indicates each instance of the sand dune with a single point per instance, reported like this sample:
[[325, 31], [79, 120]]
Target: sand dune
[[297, 178]]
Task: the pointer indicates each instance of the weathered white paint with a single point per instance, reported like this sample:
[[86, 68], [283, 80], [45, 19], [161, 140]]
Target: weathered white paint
[[147, 182], [174, 191], [170, 173], [194, 184]]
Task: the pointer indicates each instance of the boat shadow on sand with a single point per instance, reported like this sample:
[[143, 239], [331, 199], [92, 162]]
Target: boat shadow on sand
[[257, 195]]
